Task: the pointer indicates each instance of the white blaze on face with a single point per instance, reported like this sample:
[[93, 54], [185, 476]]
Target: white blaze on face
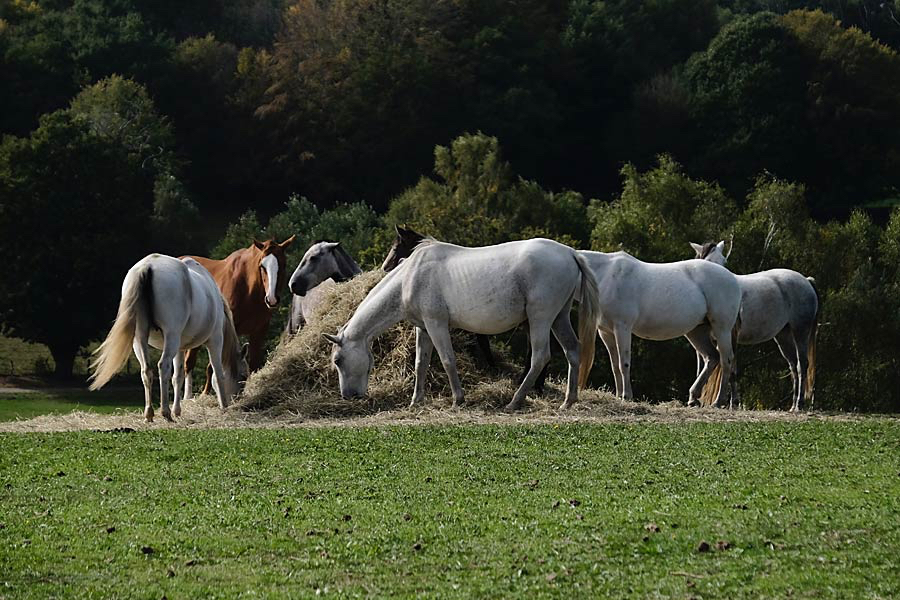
[[270, 265]]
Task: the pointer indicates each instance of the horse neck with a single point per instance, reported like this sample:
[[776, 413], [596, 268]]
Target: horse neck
[[347, 267], [378, 311]]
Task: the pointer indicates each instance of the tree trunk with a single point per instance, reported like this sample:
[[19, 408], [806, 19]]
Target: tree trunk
[[64, 358]]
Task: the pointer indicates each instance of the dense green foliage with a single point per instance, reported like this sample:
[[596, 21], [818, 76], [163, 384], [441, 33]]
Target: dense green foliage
[[539, 511], [149, 126]]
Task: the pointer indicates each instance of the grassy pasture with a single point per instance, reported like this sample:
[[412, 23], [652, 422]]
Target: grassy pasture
[[799, 509], [24, 405]]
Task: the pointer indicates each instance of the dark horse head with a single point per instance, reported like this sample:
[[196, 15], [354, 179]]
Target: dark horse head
[[403, 245]]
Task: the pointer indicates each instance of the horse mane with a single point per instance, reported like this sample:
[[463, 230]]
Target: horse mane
[[426, 241], [707, 248], [347, 266]]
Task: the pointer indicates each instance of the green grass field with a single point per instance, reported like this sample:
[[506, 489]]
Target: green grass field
[[807, 510], [24, 405]]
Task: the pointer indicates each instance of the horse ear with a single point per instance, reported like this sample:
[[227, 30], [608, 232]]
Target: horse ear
[[245, 350], [288, 241], [331, 245], [697, 248], [259, 245], [332, 338], [721, 247], [398, 230]]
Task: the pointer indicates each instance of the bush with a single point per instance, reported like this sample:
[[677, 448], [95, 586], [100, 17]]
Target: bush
[[481, 202]]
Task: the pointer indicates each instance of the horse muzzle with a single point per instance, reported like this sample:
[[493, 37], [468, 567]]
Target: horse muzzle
[[298, 288], [272, 304]]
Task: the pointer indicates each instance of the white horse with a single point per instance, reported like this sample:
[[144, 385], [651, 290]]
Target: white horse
[[484, 290], [323, 264], [662, 301], [173, 305], [780, 305]]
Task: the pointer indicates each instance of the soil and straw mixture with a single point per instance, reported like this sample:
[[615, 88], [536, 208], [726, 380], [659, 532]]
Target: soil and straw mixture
[[298, 386]]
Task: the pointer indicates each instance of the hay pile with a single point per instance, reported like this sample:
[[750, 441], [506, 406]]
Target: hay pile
[[299, 378]]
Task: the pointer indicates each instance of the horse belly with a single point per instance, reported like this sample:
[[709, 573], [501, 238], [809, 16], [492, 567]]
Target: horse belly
[[487, 314], [669, 320], [761, 319]]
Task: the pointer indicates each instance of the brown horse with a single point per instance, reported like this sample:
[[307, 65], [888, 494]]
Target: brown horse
[[249, 279]]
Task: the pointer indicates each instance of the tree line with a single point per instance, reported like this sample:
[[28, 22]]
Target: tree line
[[132, 126]]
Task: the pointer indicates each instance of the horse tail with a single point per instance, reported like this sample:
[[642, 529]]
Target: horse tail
[[137, 300], [588, 315], [809, 396], [231, 344], [710, 393]]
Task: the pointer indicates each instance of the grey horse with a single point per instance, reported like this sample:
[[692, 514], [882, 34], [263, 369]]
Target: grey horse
[[323, 264], [780, 305]]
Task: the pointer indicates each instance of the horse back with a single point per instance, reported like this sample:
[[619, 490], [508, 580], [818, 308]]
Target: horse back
[[242, 288]]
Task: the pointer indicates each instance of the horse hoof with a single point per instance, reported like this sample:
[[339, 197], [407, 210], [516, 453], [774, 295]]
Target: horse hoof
[[511, 407], [692, 403], [168, 417], [566, 405]]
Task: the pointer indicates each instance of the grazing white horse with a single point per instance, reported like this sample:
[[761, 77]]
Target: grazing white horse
[[780, 305], [484, 290], [323, 264], [173, 305], [662, 301]]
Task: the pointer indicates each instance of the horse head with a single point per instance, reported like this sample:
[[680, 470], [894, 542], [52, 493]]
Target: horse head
[[323, 260], [712, 251], [353, 360], [272, 264], [405, 242]]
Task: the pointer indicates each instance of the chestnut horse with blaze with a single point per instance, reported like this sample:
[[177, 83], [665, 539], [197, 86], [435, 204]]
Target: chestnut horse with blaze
[[249, 279]]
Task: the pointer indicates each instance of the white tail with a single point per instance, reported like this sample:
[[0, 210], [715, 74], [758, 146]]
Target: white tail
[[588, 314], [116, 348]]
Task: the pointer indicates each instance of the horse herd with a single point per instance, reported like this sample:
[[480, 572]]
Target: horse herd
[[177, 305]]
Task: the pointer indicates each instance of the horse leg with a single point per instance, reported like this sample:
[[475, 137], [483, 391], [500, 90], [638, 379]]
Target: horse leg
[[424, 346], [568, 340], [785, 342], [208, 381], [801, 342], [733, 381], [623, 347], [256, 354], [140, 350], [178, 383], [541, 378], [440, 338], [725, 349], [190, 360], [539, 336], [484, 345], [214, 347], [165, 365], [700, 340], [609, 340]]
